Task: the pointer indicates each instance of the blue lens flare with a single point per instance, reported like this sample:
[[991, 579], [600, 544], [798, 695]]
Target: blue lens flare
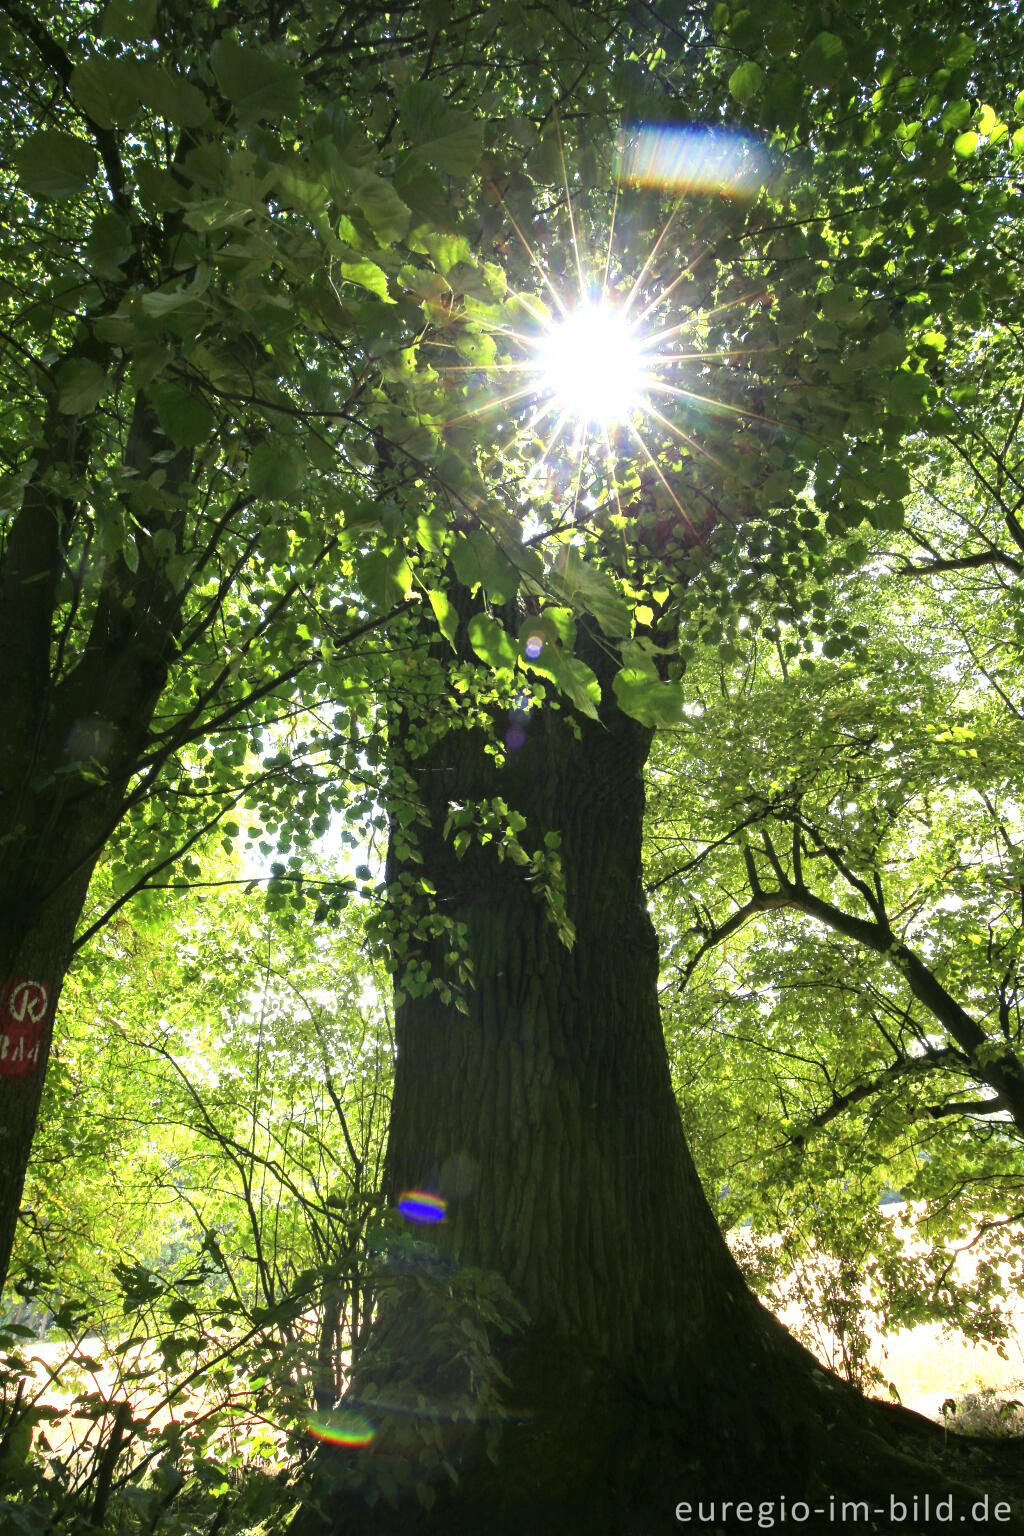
[[420, 1206]]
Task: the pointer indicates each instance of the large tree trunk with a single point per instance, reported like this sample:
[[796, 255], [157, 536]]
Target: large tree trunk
[[645, 1374]]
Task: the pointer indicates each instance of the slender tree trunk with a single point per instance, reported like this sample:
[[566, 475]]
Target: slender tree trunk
[[74, 732], [33, 963], [49, 860], [644, 1375]]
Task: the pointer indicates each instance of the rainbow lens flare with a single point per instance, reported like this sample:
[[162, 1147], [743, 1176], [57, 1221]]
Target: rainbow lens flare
[[417, 1205], [343, 1426], [694, 159], [533, 647]]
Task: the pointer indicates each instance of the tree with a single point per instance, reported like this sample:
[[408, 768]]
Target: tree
[[538, 1117], [195, 1212], [814, 1061]]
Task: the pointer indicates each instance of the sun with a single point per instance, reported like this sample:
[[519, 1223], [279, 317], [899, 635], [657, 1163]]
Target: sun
[[592, 364], [611, 374]]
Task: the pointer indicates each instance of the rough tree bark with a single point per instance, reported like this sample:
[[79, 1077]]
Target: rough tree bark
[[646, 1373]]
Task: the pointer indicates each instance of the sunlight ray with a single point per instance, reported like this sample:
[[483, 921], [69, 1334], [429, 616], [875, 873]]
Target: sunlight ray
[[552, 440], [684, 437], [705, 315], [492, 405], [611, 238], [627, 306], [595, 372], [665, 293], [579, 472], [610, 460], [487, 367], [535, 259], [535, 314], [674, 498], [719, 405], [714, 357], [568, 205], [544, 409]]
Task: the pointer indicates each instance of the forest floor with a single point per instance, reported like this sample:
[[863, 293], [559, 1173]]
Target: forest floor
[[927, 1366]]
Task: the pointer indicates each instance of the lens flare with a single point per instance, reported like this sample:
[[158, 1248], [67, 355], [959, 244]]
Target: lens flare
[[592, 362], [420, 1206], [627, 354], [342, 1426], [694, 159]]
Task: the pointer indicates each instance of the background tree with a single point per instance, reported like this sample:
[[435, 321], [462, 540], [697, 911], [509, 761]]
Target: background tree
[[879, 785], [197, 1210]]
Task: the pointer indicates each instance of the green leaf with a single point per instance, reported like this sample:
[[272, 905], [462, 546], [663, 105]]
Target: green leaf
[[966, 144], [82, 385], [887, 347], [109, 245], [448, 140], [55, 165], [379, 203], [907, 391], [444, 612], [385, 577], [275, 472], [258, 86], [577, 680], [478, 561], [957, 114], [643, 696], [490, 641], [130, 21], [159, 304], [825, 60], [539, 639], [368, 275], [582, 584], [987, 121], [746, 82], [479, 279], [172, 97], [107, 90], [183, 415], [960, 51]]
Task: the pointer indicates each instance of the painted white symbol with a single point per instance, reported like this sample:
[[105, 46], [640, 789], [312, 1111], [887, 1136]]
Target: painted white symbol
[[28, 1000]]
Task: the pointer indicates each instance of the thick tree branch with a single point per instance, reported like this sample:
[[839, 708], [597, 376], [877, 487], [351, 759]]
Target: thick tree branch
[[963, 563], [999, 1067], [907, 1066]]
